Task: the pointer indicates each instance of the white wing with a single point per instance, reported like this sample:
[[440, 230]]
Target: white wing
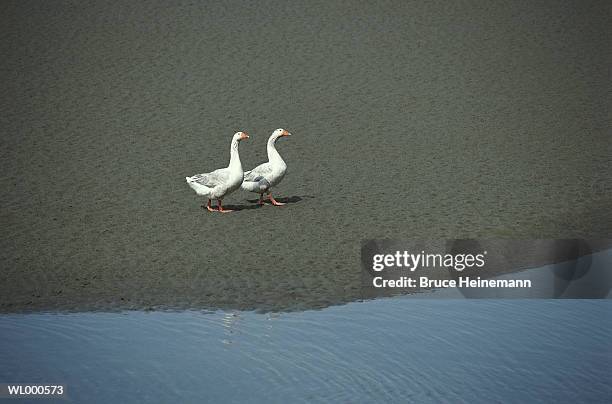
[[262, 170], [212, 179]]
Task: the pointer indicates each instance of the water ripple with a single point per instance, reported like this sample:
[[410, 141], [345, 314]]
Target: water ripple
[[395, 349]]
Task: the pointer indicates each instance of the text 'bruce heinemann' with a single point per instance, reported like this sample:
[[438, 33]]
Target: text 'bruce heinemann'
[[404, 260]]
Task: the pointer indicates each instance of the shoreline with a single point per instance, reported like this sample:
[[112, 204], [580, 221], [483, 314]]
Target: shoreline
[[281, 299]]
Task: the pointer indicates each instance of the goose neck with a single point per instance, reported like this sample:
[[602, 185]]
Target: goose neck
[[235, 156], [273, 155]]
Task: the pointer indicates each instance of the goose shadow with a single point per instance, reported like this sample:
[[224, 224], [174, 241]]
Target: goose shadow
[[239, 208], [289, 200]]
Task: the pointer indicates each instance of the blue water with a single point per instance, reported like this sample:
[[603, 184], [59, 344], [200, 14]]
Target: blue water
[[387, 350]]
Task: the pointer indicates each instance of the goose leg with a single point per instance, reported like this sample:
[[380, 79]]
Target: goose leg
[[261, 200], [208, 207], [221, 207], [274, 201]]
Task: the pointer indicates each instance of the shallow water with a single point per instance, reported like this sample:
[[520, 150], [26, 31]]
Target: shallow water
[[387, 350]]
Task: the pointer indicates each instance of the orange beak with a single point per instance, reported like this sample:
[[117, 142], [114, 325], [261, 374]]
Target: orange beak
[[244, 135], [285, 133]]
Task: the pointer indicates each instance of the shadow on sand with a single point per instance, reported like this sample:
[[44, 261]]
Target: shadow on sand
[[254, 205]]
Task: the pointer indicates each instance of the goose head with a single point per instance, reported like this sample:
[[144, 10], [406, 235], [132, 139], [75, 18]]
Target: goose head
[[280, 132], [238, 136]]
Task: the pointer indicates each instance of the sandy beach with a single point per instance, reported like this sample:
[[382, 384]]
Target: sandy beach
[[410, 120]]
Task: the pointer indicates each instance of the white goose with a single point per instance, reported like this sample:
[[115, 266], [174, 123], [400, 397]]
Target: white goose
[[262, 178], [221, 182]]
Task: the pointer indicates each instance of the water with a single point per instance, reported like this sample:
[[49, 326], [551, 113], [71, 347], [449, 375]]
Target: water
[[386, 350]]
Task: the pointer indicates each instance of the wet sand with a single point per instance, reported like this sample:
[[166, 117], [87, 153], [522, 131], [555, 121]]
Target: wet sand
[[410, 120]]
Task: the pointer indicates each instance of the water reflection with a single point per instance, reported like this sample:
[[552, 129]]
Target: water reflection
[[230, 324]]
